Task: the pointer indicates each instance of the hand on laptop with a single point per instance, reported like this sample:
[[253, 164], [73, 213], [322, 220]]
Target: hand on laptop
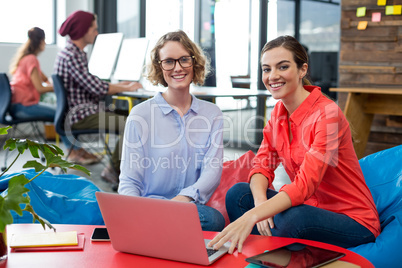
[[236, 233], [123, 86], [132, 86]]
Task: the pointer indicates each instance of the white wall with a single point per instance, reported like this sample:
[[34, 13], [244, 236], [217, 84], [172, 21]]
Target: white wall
[[47, 57]]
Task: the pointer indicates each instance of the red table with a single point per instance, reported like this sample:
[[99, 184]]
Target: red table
[[102, 254]]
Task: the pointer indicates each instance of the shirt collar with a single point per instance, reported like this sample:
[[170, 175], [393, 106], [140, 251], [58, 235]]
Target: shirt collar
[[298, 115], [74, 47], [166, 108]]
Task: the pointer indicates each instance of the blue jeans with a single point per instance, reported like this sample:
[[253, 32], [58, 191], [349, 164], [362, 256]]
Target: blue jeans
[[19, 111], [210, 218], [303, 221]]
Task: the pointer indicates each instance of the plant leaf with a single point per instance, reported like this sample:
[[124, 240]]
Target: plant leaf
[[16, 193], [54, 149], [5, 215], [4, 130], [21, 145], [33, 148], [57, 161], [38, 218], [10, 144], [82, 169], [34, 164]]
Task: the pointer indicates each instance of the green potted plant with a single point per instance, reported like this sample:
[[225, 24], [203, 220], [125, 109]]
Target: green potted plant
[[15, 197]]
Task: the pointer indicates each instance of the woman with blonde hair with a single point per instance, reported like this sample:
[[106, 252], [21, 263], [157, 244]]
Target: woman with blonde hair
[[29, 82], [173, 145]]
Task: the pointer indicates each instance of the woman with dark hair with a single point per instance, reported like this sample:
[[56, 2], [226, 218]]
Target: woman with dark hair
[[29, 82], [173, 146], [327, 199]]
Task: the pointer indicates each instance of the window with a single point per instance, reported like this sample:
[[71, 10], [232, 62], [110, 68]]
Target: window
[[285, 19], [232, 21], [162, 17], [320, 31], [18, 16], [128, 18]]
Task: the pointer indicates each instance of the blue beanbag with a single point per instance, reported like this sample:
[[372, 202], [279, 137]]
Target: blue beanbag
[[60, 199], [383, 174]]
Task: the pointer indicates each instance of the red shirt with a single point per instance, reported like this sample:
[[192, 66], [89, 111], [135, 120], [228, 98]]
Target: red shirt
[[320, 161], [23, 89]]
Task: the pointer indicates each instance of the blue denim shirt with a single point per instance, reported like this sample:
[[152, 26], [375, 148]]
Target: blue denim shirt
[[165, 155]]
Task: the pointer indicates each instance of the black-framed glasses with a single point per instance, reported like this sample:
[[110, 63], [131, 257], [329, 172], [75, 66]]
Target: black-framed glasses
[[169, 64]]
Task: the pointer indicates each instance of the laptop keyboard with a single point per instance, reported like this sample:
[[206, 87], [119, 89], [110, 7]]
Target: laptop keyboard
[[211, 251]]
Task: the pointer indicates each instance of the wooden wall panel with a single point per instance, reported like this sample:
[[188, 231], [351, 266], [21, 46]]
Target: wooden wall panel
[[371, 58]]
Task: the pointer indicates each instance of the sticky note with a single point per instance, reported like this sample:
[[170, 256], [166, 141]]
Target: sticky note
[[389, 10], [207, 26], [376, 17], [362, 25], [397, 9], [361, 12], [381, 2]]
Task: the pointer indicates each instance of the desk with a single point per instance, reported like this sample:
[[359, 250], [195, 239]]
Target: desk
[[102, 254], [362, 104], [208, 93], [199, 92]]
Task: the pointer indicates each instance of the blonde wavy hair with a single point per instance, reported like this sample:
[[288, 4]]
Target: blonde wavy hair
[[201, 64]]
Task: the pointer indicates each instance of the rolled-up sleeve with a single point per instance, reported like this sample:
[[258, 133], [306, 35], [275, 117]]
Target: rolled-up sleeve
[[266, 160], [132, 174]]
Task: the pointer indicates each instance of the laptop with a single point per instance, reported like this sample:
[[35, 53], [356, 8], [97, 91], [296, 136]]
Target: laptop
[[156, 228]]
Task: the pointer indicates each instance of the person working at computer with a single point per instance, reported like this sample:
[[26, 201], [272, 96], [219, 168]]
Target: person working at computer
[[84, 90], [29, 82], [173, 145], [327, 199]]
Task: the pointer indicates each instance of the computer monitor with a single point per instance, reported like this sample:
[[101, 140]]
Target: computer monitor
[[324, 71], [104, 55], [131, 59], [324, 66]]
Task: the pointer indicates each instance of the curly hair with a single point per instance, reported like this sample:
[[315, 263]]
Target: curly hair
[[201, 65]]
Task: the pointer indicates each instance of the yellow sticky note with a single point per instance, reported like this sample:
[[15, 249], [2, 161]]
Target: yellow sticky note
[[361, 12], [376, 17], [389, 10], [381, 2], [397, 9], [362, 25]]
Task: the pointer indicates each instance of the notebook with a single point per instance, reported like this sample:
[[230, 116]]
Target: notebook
[[156, 228], [44, 239], [79, 246]]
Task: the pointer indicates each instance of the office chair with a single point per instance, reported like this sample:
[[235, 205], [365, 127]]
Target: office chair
[[61, 112], [8, 120]]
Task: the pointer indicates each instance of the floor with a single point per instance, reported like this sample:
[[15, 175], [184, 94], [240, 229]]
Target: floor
[[230, 153]]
